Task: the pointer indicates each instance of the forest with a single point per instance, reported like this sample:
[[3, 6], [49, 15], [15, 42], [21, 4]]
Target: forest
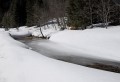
[[77, 14]]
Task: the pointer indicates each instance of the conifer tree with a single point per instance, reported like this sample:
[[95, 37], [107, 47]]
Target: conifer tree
[[29, 11], [8, 20], [76, 13]]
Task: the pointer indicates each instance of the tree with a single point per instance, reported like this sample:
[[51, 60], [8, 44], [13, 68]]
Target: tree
[[76, 13], [38, 14], [105, 11], [29, 11], [8, 20], [20, 12]]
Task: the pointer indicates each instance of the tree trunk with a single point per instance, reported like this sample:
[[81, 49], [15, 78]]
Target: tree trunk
[[42, 33]]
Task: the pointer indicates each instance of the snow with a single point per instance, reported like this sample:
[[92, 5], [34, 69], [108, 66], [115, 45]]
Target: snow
[[47, 30], [6, 40], [20, 33], [98, 42], [19, 64], [99, 25], [24, 31], [2, 29]]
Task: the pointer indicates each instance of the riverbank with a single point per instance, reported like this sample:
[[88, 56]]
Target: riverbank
[[97, 43], [18, 63], [67, 54]]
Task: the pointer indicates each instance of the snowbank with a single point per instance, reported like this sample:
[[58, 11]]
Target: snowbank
[[47, 30], [98, 42], [19, 64], [19, 33], [2, 29], [24, 31], [6, 40]]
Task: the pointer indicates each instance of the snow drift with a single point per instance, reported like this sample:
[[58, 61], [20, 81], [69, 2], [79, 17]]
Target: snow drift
[[99, 42]]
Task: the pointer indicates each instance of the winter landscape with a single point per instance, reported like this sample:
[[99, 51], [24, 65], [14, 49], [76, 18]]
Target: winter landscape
[[59, 41]]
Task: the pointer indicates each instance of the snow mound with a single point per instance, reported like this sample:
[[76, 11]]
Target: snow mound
[[98, 42], [6, 40], [24, 31], [20, 32], [2, 30]]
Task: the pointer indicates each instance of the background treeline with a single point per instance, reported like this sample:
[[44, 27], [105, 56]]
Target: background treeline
[[78, 14], [82, 13]]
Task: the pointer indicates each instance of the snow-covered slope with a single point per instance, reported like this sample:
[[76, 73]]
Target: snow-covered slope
[[24, 31], [19, 64], [98, 42]]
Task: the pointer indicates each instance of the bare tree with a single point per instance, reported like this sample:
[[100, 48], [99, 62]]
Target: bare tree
[[91, 12], [104, 11], [58, 11]]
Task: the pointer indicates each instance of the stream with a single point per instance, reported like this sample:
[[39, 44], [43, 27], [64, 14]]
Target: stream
[[65, 53]]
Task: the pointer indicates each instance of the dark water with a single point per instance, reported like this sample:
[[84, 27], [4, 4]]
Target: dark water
[[64, 53]]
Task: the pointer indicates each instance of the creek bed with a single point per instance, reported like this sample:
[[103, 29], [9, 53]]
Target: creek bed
[[51, 49]]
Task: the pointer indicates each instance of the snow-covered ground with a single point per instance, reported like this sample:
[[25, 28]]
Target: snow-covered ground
[[2, 29], [17, 33], [47, 30], [19, 64], [98, 42]]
